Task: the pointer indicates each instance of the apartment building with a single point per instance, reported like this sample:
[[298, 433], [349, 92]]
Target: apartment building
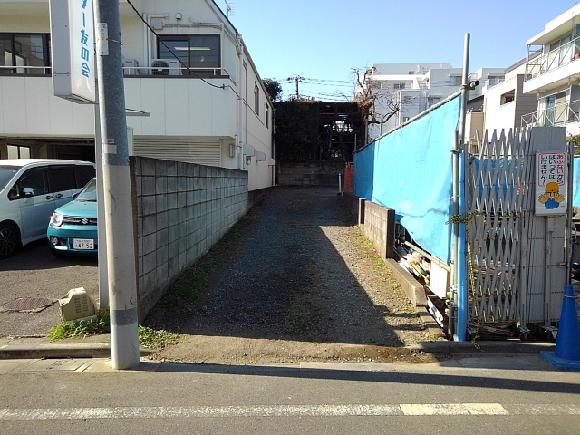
[[403, 90], [192, 90], [552, 73]]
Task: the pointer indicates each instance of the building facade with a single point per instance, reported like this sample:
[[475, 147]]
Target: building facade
[[192, 91], [401, 91], [553, 73]]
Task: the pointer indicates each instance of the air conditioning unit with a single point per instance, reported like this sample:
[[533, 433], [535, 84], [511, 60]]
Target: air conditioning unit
[[165, 67], [130, 67]]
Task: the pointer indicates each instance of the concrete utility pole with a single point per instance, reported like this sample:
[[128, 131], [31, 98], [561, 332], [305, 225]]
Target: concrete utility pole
[[297, 79], [459, 208], [117, 188]]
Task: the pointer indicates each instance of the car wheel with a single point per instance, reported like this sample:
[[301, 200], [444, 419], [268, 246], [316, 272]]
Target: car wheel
[[9, 239]]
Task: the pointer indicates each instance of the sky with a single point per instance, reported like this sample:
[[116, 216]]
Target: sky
[[326, 39]]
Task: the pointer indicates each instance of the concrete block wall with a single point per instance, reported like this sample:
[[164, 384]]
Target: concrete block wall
[[319, 173], [379, 227], [182, 210]]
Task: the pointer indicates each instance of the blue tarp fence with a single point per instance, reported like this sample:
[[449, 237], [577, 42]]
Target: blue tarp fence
[[409, 170], [576, 197]]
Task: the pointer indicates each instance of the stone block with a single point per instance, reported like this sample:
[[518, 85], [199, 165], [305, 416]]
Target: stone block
[[147, 186], [172, 201], [162, 255], [161, 201], [172, 168], [162, 237], [173, 216], [172, 184]]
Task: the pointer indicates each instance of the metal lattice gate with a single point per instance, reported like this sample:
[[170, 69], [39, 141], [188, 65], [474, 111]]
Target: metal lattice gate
[[514, 276]]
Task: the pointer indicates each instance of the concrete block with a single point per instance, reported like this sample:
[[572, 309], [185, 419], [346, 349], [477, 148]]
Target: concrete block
[[173, 250], [195, 170], [148, 205], [172, 184], [161, 202], [171, 168], [149, 243], [149, 224], [162, 276], [412, 288], [181, 169], [182, 183], [172, 201], [181, 199], [149, 262], [190, 196], [173, 216], [173, 233], [202, 171], [162, 255], [160, 168], [147, 167], [147, 186], [162, 237], [161, 185], [162, 220]]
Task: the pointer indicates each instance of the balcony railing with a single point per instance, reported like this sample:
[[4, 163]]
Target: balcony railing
[[558, 115], [128, 71], [540, 63], [24, 70]]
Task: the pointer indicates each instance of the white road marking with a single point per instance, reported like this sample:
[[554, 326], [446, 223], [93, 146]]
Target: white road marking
[[409, 409]]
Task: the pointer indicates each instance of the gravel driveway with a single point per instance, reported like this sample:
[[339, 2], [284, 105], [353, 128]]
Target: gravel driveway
[[35, 272], [301, 283]]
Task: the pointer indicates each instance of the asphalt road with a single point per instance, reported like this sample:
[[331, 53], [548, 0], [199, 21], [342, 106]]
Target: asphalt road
[[35, 272], [519, 395]]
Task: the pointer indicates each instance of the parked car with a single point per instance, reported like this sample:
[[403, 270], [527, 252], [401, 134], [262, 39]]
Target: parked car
[[73, 227], [30, 190]]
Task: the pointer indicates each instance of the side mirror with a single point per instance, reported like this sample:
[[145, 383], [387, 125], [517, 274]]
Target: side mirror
[[75, 195]]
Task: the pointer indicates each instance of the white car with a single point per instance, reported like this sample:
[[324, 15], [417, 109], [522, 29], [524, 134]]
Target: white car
[[30, 190]]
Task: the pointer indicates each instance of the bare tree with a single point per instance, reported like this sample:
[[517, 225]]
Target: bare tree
[[370, 97]]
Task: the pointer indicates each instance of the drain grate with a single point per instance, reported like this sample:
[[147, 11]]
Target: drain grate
[[26, 305]]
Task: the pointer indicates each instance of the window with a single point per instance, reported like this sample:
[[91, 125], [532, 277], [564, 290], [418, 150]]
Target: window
[[267, 115], [399, 85], [197, 53], [84, 174], [32, 183], [508, 97], [17, 152], [22, 50], [61, 178], [257, 99]]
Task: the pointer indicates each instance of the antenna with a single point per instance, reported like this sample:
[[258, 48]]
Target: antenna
[[229, 8]]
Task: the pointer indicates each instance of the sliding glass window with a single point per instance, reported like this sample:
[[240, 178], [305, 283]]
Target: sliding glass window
[[27, 53], [196, 53]]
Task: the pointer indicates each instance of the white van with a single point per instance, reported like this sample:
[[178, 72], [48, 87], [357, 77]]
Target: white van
[[30, 190]]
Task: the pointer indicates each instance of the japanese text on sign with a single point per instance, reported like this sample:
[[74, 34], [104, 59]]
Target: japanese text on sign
[[551, 183]]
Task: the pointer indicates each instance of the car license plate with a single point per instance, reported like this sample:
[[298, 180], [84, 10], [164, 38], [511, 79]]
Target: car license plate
[[83, 244]]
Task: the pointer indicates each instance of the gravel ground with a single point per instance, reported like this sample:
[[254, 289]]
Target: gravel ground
[[301, 283], [35, 272]]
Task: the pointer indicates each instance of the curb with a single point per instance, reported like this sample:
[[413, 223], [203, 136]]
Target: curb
[[482, 347], [50, 351], [412, 288]]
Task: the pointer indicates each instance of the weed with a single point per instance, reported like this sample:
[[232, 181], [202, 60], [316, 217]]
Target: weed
[[156, 339], [81, 328]]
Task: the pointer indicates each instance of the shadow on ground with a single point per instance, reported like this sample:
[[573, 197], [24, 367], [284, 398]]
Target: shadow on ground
[[285, 280]]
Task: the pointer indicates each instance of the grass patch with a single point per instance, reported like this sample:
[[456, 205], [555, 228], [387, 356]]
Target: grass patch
[[81, 329], [156, 339], [149, 337]]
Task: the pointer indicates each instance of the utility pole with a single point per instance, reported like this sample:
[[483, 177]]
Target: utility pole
[[459, 209], [116, 188], [297, 79]]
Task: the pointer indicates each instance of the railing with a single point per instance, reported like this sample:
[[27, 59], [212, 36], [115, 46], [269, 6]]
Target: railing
[[540, 63], [128, 71], [25, 70], [557, 115], [172, 71]]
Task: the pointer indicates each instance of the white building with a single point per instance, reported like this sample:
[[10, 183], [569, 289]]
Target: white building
[[196, 83], [553, 73], [403, 90], [505, 102]]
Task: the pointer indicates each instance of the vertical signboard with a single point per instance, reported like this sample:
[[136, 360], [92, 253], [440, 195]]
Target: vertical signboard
[[551, 183], [73, 58]]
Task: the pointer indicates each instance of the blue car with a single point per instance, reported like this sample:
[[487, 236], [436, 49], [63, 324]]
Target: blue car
[[73, 227]]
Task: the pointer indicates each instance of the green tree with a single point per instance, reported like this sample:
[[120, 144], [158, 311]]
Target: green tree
[[274, 89]]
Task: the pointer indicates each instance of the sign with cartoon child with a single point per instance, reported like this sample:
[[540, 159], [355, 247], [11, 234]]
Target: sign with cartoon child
[[551, 183]]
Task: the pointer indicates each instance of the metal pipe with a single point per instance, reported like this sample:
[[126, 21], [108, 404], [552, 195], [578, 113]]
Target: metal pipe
[[120, 232], [460, 206]]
